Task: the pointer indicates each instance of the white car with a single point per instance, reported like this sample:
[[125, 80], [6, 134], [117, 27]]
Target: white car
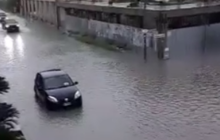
[[11, 25]]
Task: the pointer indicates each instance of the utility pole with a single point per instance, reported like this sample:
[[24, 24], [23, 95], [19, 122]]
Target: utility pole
[[145, 45], [206, 18], [145, 4], [145, 32], [162, 23], [57, 14]]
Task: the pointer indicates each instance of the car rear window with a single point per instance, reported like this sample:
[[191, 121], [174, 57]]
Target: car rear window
[[57, 82]]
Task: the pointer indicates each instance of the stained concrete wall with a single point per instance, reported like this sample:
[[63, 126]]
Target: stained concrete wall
[[44, 10], [76, 25], [191, 41], [120, 34], [62, 17], [182, 42]]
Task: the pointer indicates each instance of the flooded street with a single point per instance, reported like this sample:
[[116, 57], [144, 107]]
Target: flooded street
[[124, 98]]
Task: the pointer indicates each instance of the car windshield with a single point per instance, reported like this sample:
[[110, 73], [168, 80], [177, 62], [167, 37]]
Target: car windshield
[[57, 82], [11, 21]]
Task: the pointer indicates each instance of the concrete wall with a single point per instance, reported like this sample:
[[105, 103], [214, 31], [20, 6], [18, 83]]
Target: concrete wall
[[191, 41], [62, 19], [44, 10], [120, 34], [76, 25]]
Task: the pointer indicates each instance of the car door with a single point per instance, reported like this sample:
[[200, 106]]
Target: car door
[[42, 90], [39, 87], [36, 83]]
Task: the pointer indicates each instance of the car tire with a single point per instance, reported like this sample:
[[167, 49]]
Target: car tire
[[35, 92], [79, 104], [48, 106], [35, 95]]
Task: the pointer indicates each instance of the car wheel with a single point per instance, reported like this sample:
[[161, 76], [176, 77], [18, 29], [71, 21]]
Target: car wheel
[[35, 95], [35, 92], [79, 104], [49, 106]]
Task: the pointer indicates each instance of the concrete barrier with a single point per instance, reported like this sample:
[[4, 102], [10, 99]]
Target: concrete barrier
[[190, 41], [119, 34]]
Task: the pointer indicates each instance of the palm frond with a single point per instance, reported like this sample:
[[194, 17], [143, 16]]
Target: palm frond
[[5, 134], [4, 85], [7, 115]]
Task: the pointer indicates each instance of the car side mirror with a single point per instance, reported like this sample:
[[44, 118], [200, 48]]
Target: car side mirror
[[76, 83]]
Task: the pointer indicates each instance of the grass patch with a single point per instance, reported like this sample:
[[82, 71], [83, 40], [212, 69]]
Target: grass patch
[[97, 42]]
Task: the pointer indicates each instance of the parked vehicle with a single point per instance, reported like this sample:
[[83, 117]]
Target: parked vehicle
[[55, 89], [2, 17], [10, 25]]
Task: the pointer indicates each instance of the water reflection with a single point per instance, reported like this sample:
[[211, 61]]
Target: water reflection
[[66, 115], [20, 45], [14, 45], [70, 115], [9, 45]]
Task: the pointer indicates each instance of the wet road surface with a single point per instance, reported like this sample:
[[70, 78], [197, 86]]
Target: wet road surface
[[123, 97]]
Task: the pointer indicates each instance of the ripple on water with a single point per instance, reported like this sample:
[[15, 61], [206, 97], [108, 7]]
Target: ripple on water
[[173, 100]]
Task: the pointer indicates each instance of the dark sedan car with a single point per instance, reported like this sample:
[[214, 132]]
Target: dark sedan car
[[10, 25], [55, 88]]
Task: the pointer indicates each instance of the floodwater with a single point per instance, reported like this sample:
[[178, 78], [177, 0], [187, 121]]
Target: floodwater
[[124, 98]]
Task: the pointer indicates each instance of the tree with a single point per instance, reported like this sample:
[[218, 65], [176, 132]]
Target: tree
[[7, 115], [5, 134], [4, 85]]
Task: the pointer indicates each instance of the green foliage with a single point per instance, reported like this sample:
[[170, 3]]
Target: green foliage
[[5, 134], [4, 85], [8, 115], [95, 42]]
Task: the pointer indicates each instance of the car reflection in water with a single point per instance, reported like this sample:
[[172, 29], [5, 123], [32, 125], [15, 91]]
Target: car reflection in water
[[20, 46], [14, 47], [9, 46]]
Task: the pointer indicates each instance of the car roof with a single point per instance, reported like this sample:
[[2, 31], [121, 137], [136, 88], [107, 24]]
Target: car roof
[[52, 73]]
